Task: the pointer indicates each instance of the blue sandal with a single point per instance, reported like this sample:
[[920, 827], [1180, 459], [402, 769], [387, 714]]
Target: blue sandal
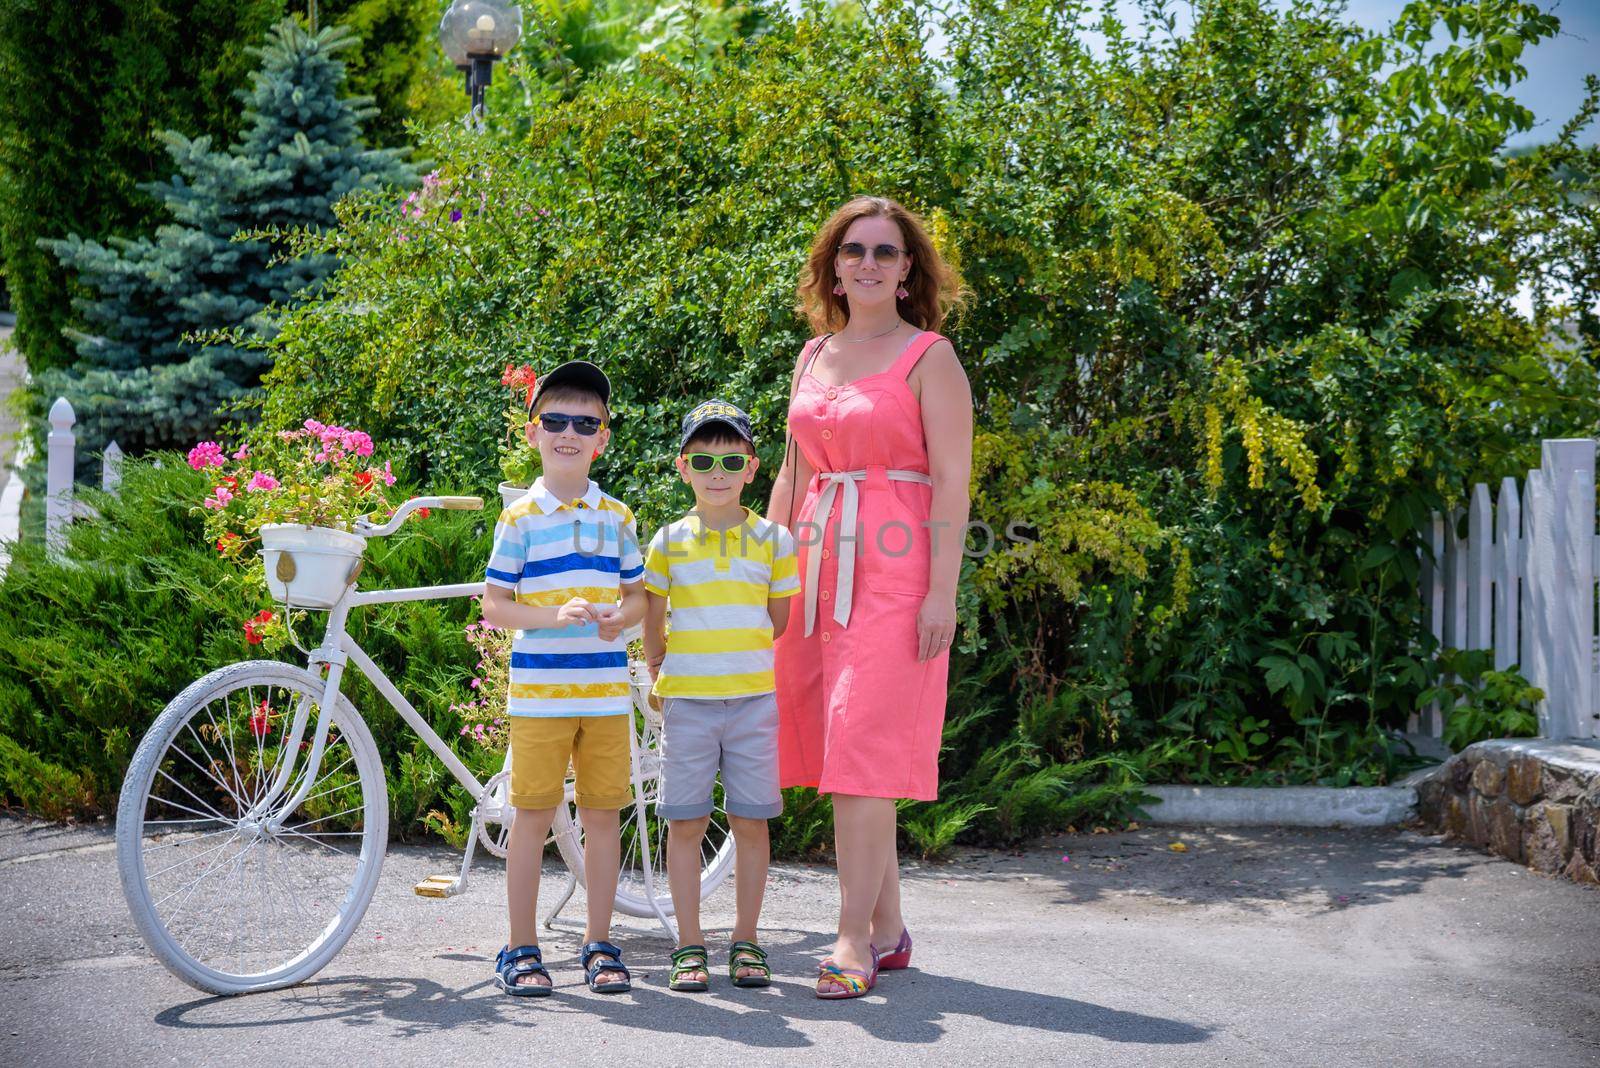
[[592, 968], [512, 964]]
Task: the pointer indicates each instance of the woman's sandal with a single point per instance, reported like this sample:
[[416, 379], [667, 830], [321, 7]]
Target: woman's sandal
[[849, 982], [512, 964], [894, 960], [747, 956], [688, 961], [592, 968], [899, 957]]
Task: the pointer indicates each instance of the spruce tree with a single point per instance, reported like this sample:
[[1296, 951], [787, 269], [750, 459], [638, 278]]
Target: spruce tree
[[137, 380]]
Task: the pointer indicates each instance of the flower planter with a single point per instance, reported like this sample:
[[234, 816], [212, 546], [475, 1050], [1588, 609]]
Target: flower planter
[[510, 493], [310, 567]]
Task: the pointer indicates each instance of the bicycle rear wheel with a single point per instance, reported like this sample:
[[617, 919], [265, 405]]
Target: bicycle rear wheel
[[232, 891]]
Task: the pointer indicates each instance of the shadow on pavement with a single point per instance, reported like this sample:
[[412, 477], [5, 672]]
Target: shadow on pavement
[[1246, 868], [907, 1007]]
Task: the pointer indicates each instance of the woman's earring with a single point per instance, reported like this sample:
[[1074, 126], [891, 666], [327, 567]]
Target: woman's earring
[[901, 292], [838, 289]]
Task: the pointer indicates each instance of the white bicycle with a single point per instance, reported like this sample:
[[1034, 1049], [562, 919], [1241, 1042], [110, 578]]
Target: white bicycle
[[254, 816]]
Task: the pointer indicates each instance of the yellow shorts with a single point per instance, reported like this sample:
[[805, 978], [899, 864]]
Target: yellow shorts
[[597, 746]]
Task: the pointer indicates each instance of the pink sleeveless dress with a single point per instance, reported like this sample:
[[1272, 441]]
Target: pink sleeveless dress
[[858, 712]]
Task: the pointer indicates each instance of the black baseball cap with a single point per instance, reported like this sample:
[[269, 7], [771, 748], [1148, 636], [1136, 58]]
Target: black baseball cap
[[580, 373], [716, 411]]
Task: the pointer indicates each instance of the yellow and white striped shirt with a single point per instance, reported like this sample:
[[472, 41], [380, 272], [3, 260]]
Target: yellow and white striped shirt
[[717, 584]]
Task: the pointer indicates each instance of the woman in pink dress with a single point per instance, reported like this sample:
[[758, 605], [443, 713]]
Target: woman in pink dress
[[881, 418]]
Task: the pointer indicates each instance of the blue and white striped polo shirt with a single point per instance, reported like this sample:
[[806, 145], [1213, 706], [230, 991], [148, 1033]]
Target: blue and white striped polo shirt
[[548, 551]]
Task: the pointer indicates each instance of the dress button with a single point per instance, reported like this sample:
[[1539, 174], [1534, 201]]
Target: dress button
[[826, 595], [832, 393], [826, 554], [827, 435], [826, 636]]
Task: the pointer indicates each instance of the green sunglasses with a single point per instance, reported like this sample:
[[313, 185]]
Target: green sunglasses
[[732, 462]]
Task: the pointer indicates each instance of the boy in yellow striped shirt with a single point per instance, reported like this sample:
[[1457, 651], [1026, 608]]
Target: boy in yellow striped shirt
[[727, 574]]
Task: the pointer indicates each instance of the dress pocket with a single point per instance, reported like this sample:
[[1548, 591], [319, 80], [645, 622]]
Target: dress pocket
[[894, 551]]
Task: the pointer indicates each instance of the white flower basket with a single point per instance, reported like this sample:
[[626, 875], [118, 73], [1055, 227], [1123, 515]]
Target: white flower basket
[[310, 567], [510, 493]]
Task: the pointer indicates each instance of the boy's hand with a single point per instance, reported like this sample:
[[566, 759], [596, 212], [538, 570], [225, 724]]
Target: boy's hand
[[654, 664], [576, 613], [610, 619]]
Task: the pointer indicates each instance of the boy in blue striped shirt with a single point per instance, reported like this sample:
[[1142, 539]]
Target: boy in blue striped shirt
[[566, 572]]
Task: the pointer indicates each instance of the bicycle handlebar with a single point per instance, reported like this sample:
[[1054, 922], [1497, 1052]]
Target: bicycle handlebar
[[465, 504]]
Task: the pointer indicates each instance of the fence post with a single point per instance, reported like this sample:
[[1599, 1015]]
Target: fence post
[[1432, 579], [58, 477], [111, 469], [1480, 570], [1537, 553], [1507, 572], [1570, 463]]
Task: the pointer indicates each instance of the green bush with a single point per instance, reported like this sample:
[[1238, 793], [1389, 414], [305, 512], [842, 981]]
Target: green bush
[[1242, 316], [1241, 319], [92, 649]]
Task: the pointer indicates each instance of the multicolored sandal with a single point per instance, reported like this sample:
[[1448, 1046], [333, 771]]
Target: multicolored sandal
[[747, 956], [899, 957], [850, 983], [688, 961], [510, 965]]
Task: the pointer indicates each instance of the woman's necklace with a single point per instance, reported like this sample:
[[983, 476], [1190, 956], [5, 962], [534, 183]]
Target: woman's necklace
[[898, 323]]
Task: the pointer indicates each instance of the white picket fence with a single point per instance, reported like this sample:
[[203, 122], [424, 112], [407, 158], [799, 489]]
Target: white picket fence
[[61, 455], [1522, 583]]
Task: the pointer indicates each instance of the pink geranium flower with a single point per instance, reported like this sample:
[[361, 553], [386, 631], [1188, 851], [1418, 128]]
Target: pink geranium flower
[[262, 481], [206, 454]]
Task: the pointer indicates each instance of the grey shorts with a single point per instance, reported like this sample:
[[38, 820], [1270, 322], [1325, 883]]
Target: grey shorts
[[736, 735]]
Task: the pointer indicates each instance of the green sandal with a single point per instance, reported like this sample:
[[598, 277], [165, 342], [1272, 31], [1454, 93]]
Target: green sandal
[[686, 961], [748, 955]]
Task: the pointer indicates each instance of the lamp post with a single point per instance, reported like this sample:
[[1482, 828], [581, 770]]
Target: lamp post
[[475, 33]]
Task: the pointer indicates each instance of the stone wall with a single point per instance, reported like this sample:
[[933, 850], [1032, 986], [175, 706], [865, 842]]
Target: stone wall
[[1530, 800]]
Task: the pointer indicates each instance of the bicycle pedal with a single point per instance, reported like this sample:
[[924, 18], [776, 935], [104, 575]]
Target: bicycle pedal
[[436, 886]]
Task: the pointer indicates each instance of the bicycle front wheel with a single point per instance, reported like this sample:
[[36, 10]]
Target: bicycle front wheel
[[232, 890]]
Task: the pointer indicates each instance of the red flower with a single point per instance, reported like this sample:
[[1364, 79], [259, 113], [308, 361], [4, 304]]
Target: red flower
[[231, 482], [422, 513], [363, 480], [522, 378], [261, 721], [251, 633], [226, 542]]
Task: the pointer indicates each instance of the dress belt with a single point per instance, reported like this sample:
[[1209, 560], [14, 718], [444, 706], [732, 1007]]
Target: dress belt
[[844, 543]]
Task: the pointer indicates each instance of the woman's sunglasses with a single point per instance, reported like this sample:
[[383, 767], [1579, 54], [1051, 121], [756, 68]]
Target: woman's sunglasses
[[556, 423], [732, 462], [853, 252]]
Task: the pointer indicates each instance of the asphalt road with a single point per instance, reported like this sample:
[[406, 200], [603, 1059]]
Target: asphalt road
[[1252, 948]]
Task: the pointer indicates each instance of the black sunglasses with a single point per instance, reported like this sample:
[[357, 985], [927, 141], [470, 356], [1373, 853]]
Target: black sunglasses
[[853, 252], [732, 462], [556, 423]]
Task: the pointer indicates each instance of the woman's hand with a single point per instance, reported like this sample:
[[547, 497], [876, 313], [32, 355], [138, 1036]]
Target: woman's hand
[[936, 625]]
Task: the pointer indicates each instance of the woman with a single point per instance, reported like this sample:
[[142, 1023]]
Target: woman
[[881, 412]]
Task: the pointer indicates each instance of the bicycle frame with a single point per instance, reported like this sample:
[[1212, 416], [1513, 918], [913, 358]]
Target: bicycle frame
[[338, 649]]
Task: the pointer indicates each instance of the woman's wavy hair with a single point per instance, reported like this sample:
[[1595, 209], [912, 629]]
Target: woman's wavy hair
[[933, 287]]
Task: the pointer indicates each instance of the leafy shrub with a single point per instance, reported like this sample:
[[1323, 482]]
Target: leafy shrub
[[1480, 702], [91, 650], [1242, 317]]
